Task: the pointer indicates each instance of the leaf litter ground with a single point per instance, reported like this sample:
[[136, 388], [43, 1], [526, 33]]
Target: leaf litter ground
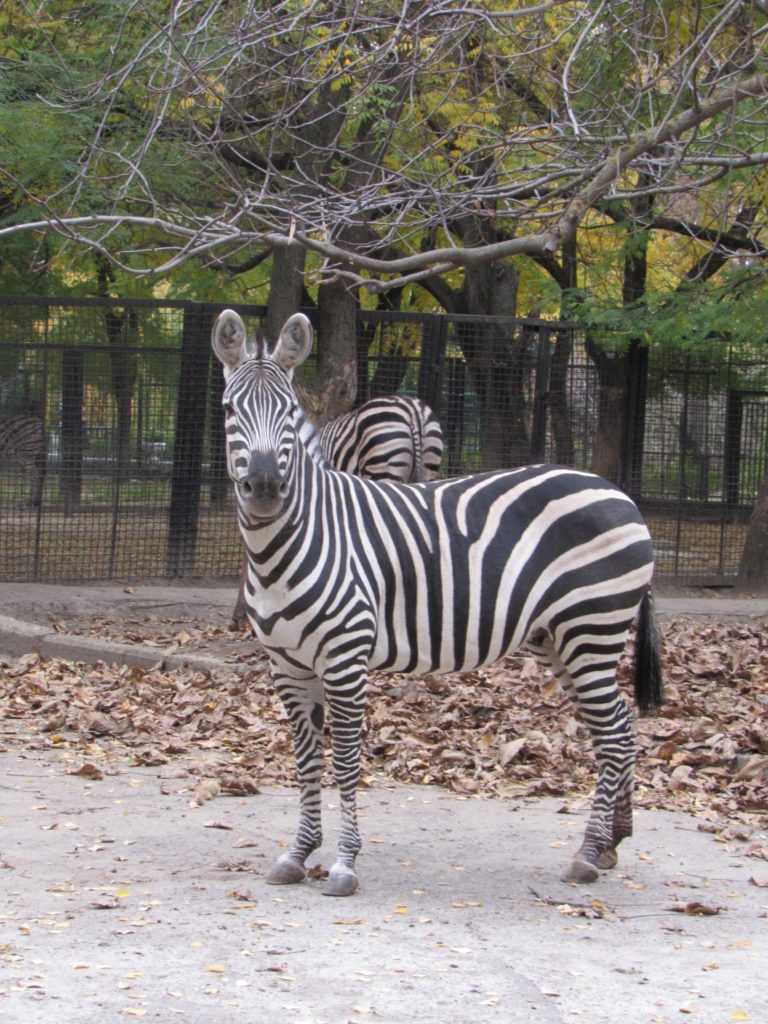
[[505, 731]]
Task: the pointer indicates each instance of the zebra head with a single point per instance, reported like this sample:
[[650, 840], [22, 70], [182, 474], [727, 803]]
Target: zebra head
[[260, 410]]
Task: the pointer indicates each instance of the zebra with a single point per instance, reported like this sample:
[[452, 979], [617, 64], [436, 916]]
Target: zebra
[[394, 437], [22, 441], [347, 575]]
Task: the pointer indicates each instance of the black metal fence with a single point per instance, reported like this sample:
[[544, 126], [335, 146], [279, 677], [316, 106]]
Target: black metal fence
[[111, 445]]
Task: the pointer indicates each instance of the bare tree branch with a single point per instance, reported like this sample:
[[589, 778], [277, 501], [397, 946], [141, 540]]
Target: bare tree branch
[[357, 132]]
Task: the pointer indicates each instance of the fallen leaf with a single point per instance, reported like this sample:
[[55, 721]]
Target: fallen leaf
[[205, 790], [511, 750], [694, 909], [89, 771], [707, 752], [317, 872]]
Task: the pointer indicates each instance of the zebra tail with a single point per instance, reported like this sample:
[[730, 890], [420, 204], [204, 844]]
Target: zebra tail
[[648, 677]]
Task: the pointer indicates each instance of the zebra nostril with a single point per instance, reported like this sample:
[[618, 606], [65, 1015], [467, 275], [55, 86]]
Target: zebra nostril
[[262, 486]]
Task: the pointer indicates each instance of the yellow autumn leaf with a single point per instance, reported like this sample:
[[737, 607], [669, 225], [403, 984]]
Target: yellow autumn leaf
[[739, 1015]]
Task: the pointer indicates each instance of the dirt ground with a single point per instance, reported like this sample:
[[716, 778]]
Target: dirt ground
[[125, 896]]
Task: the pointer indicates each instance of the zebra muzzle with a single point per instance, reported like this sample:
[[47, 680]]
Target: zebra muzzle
[[263, 489]]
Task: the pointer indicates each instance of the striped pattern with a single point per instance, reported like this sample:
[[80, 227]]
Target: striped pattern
[[391, 438], [22, 442], [346, 575], [395, 437]]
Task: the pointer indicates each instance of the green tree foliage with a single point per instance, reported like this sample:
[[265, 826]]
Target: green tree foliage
[[394, 141]]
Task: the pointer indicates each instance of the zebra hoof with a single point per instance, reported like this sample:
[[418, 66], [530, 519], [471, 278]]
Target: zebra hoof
[[608, 858], [286, 871], [342, 881], [581, 871]]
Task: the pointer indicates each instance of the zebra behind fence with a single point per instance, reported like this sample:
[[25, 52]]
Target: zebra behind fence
[[347, 575], [396, 437], [22, 442]]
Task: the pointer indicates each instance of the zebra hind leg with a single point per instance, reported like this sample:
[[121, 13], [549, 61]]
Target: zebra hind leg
[[586, 670], [609, 719], [303, 702]]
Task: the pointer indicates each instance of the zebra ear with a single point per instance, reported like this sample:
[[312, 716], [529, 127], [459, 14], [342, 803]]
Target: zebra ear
[[294, 344], [228, 340]]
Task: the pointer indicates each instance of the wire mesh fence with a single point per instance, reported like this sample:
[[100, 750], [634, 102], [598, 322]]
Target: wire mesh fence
[[112, 450]]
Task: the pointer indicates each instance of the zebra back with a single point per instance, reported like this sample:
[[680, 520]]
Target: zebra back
[[395, 437]]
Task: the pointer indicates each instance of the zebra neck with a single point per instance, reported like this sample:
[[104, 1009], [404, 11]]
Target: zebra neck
[[309, 435]]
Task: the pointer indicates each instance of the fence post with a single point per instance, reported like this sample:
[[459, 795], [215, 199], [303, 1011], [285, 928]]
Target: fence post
[[633, 441], [220, 487], [538, 449], [72, 431], [432, 360], [734, 416], [187, 471], [452, 416]]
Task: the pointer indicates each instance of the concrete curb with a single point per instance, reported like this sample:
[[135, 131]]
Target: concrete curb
[[19, 635], [18, 638]]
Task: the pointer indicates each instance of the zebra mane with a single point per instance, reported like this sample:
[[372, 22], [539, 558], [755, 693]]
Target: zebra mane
[[259, 348], [309, 435]]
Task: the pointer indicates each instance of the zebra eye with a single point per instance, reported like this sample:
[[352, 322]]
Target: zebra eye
[[228, 409]]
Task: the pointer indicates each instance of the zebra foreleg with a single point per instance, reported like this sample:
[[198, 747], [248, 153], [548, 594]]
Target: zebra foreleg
[[347, 712], [303, 702]]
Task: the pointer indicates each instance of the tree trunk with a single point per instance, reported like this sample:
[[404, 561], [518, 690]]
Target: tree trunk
[[121, 332], [620, 429], [559, 412], [753, 567], [286, 288], [337, 332], [497, 363], [612, 375]]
